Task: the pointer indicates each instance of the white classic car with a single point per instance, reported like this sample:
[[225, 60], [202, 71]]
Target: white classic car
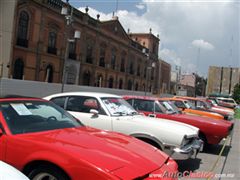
[[8, 172], [111, 112]]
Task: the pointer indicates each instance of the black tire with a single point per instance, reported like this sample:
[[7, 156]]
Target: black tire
[[204, 139], [42, 172]]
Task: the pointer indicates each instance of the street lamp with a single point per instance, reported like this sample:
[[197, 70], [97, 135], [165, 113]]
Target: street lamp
[[67, 11], [149, 68]]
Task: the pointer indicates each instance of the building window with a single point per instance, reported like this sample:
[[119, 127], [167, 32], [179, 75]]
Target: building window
[[72, 50], [129, 85], [110, 82], [49, 74], [89, 58], [86, 78], [102, 56], [99, 81], [18, 69], [52, 39], [131, 71], [136, 86], [138, 70], [122, 68], [23, 29], [120, 86], [113, 59], [145, 72]]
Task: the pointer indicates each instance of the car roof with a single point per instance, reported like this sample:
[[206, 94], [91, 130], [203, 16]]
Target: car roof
[[171, 99], [190, 98], [95, 94], [18, 98], [140, 97]]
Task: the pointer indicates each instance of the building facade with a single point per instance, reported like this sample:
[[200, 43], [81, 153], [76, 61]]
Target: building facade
[[104, 56], [165, 77], [222, 79]]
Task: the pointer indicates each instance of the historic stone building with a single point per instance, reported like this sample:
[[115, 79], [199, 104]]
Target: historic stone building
[[104, 56]]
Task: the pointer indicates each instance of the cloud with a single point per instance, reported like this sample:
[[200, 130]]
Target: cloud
[[202, 44], [172, 57], [140, 6]]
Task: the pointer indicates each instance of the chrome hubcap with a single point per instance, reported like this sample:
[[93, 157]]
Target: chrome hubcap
[[44, 176]]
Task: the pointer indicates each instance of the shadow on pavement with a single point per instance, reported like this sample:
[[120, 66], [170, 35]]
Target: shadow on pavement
[[216, 149], [188, 165]]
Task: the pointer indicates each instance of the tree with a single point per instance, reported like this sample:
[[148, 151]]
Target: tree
[[236, 93]]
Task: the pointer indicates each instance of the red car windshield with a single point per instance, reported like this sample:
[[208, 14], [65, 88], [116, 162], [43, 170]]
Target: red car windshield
[[35, 116]]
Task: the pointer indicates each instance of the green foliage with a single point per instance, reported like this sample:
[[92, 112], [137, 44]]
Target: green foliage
[[237, 114], [236, 93]]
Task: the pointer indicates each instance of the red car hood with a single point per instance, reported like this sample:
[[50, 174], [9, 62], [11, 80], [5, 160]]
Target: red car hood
[[204, 119], [111, 152]]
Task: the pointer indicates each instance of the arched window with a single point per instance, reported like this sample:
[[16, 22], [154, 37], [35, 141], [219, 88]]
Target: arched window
[[99, 81], [22, 32], [52, 40], [129, 85], [120, 86], [144, 87], [71, 74], [136, 86], [113, 59], [86, 78], [18, 69], [110, 82], [49, 74]]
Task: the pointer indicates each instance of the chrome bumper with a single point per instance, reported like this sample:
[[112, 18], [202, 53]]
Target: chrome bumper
[[188, 151]]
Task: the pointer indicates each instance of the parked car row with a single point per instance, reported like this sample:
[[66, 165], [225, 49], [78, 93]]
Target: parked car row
[[133, 139], [211, 130]]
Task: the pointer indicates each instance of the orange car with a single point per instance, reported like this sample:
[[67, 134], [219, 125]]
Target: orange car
[[189, 108], [203, 105]]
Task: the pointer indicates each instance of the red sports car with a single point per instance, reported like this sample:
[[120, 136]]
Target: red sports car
[[45, 142], [211, 131]]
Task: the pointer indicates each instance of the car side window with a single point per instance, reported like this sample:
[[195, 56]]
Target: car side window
[[75, 103], [179, 104], [60, 101], [84, 104], [143, 105]]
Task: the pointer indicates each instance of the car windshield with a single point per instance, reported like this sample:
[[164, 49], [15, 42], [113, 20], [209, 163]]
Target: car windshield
[[170, 107], [118, 106], [35, 116]]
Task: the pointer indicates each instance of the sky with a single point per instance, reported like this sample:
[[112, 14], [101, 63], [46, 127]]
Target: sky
[[194, 34]]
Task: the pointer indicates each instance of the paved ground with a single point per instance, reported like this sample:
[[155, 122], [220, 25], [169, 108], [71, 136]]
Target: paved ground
[[229, 161]]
